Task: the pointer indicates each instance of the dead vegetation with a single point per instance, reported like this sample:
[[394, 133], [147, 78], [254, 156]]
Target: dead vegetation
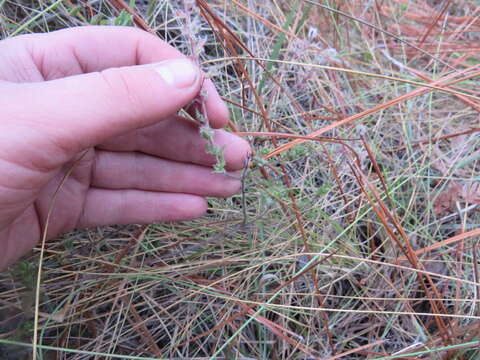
[[356, 236]]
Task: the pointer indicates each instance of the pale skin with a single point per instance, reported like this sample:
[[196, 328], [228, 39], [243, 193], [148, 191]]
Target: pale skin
[[103, 100]]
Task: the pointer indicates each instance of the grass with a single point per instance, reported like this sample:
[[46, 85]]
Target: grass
[[357, 234]]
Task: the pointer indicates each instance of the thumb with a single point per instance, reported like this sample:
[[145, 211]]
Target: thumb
[[77, 112]]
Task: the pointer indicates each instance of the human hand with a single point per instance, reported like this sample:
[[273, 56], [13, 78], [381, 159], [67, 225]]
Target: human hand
[[86, 97]]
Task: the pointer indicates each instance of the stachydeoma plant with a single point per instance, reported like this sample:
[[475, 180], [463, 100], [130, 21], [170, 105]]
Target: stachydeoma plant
[[192, 28]]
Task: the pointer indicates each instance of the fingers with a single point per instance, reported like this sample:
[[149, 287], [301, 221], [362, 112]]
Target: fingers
[[108, 207], [131, 170], [178, 139]]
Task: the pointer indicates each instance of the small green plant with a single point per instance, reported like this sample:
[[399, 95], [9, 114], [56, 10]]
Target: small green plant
[[25, 272], [208, 134], [123, 19], [190, 16], [211, 148], [69, 245]]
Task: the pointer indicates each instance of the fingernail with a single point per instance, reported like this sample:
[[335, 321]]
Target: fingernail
[[179, 73]]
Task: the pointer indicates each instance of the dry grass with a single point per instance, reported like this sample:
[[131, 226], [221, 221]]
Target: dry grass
[[361, 233]]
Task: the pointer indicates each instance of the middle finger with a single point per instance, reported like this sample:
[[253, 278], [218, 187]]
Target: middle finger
[[133, 170]]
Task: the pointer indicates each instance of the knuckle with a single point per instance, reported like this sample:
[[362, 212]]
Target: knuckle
[[139, 171], [122, 91]]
